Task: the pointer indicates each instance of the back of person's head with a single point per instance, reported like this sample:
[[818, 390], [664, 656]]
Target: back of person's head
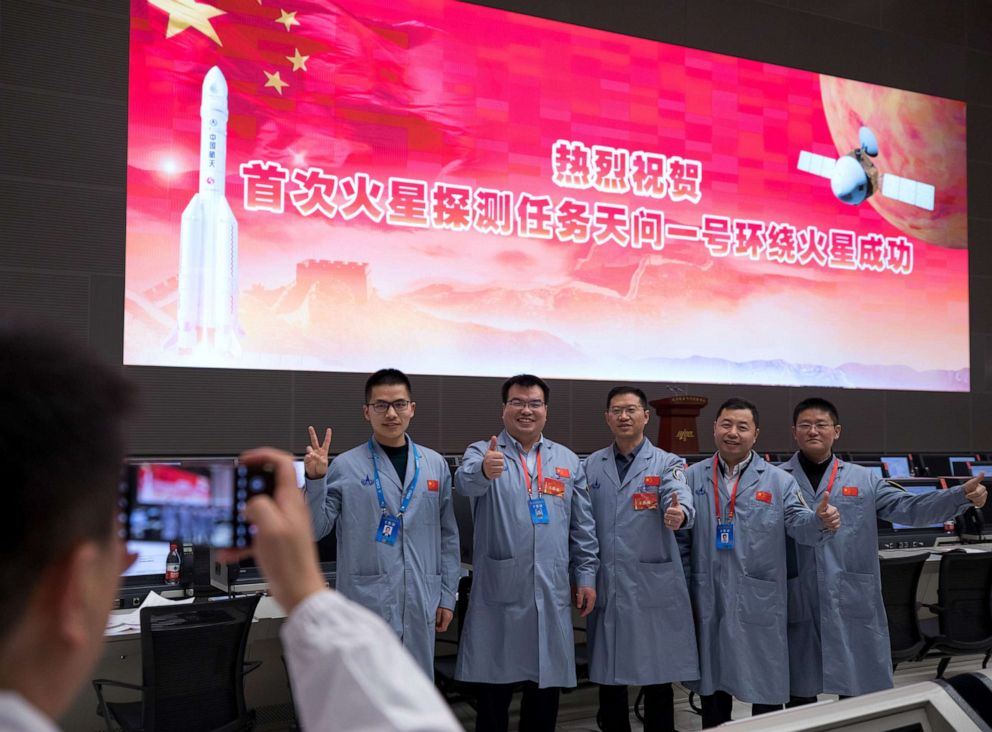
[[387, 377], [819, 404], [62, 415], [526, 381], [737, 403]]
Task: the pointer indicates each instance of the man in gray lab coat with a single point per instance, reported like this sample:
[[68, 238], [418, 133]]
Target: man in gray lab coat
[[397, 541], [838, 634], [641, 631], [735, 557], [534, 534]]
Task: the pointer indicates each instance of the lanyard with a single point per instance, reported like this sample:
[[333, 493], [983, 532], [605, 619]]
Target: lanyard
[[408, 493], [540, 474], [716, 490], [833, 474]]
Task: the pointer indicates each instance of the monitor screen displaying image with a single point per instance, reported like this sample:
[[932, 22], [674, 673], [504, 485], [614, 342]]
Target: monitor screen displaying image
[[897, 466], [324, 186]]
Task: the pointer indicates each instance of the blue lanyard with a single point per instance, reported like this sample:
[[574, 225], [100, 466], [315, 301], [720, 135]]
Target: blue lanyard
[[408, 493]]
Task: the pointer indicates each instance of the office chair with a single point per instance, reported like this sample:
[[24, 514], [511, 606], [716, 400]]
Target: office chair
[[451, 689], [963, 625], [900, 577], [193, 668]]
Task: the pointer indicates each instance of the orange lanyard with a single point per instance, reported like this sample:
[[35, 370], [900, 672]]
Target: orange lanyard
[[830, 483], [540, 474], [716, 490]]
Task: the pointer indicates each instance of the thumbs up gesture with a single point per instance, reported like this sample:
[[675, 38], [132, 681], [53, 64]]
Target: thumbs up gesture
[[492, 462], [975, 492], [674, 515], [829, 515]]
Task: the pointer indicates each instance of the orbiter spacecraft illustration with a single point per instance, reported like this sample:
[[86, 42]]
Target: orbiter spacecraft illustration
[[854, 177], [207, 311]]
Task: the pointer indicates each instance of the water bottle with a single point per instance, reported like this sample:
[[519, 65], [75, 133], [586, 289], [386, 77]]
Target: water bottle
[[172, 564]]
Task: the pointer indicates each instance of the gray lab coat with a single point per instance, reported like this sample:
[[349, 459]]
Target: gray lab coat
[[519, 621], [835, 591], [407, 582], [641, 631], [739, 596]]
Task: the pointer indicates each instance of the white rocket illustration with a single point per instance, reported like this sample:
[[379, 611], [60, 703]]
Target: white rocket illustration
[[207, 311]]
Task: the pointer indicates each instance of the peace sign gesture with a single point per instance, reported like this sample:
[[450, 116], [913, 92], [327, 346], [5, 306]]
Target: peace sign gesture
[[315, 461]]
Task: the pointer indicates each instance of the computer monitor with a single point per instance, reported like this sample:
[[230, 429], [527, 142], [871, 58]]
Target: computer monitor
[[877, 467], [300, 473], [977, 468], [959, 464], [150, 561], [897, 466]]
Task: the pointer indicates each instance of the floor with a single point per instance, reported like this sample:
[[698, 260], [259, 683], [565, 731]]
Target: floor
[[578, 707]]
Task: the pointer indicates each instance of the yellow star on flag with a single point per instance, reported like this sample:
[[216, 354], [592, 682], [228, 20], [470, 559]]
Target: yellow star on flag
[[298, 61], [274, 81], [287, 19], [185, 14]]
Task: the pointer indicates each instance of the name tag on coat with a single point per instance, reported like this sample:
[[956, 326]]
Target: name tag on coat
[[645, 501], [553, 487]]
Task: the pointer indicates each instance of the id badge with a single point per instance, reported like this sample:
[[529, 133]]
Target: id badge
[[725, 536], [539, 511], [389, 529]]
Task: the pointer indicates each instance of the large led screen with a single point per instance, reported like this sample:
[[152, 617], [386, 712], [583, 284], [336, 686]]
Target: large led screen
[[453, 189]]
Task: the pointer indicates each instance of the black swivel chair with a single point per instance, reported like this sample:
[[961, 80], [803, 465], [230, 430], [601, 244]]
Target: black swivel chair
[[193, 668], [963, 625], [900, 577]]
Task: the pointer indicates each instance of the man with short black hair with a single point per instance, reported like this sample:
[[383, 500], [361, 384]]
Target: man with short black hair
[[640, 632], [534, 534], [735, 557], [62, 431], [397, 541], [838, 634]]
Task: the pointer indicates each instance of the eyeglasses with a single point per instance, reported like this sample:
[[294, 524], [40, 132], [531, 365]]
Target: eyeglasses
[[381, 406], [817, 426], [629, 411], [520, 404]]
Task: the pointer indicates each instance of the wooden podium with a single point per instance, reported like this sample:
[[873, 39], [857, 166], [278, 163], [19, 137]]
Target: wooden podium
[[677, 422]]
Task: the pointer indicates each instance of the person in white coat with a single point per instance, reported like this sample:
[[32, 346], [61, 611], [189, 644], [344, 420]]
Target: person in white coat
[[640, 632], [735, 557], [838, 633], [533, 535], [397, 540]]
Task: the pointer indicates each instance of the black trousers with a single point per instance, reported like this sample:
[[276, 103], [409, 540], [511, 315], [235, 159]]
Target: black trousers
[[538, 708], [717, 708], [659, 708]]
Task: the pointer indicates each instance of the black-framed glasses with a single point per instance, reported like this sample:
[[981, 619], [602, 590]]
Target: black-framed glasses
[[382, 406], [629, 411], [529, 403]]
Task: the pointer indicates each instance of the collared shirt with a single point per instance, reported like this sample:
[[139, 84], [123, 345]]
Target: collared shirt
[[728, 473], [625, 461], [530, 457]]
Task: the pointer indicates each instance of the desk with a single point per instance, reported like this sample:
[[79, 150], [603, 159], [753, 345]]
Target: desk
[[121, 661], [926, 590]]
